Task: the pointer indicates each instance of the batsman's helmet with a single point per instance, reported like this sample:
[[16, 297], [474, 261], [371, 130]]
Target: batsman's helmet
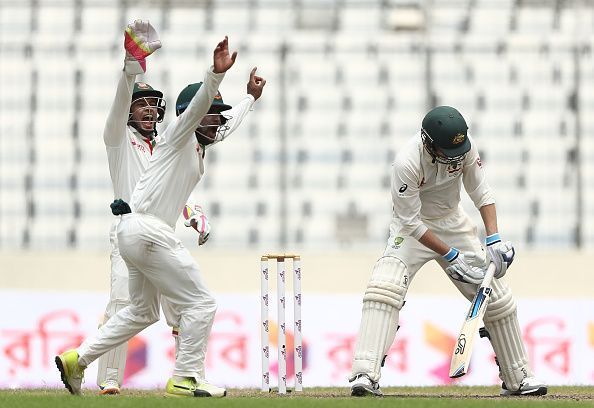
[[445, 131]]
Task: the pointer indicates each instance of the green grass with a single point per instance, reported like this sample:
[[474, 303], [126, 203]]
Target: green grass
[[414, 397]]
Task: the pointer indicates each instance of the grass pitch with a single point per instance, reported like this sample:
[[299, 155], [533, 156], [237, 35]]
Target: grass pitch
[[413, 397]]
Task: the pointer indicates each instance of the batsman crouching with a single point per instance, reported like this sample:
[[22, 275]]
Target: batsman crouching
[[429, 224]]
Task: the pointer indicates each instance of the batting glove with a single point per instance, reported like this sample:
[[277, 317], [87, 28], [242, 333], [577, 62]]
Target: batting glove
[[196, 219], [501, 254], [461, 267], [140, 41]]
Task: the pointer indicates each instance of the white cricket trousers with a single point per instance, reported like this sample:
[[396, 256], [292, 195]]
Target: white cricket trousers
[[158, 264]]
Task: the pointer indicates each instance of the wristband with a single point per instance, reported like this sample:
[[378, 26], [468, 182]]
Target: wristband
[[451, 255], [492, 239]]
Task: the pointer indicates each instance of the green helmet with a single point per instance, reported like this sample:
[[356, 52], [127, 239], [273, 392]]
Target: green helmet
[[186, 95], [445, 135], [142, 90]]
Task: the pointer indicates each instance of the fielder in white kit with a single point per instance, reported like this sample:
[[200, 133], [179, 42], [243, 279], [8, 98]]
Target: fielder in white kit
[[429, 224], [130, 137], [158, 263]]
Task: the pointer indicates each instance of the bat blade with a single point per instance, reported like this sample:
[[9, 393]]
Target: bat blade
[[465, 342]]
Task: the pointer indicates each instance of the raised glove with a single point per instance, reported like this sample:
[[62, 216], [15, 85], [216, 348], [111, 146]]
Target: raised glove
[[501, 254], [196, 219], [461, 267], [140, 41]]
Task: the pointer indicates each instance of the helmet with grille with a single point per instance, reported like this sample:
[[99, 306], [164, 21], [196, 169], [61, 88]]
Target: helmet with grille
[[445, 135], [213, 125], [145, 101]]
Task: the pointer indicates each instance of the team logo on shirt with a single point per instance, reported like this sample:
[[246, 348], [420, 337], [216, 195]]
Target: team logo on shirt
[[453, 169], [398, 242], [138, 145], [459, 138]]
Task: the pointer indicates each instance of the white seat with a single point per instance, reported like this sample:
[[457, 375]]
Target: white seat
[[231, 18], [491, 20], [365, 19], [93, 233], [535, 19], [48, 232], [94, 202], [95, 19], [56, 20]]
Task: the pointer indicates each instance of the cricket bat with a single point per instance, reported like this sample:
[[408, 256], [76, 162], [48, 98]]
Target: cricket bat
[[464, 344]]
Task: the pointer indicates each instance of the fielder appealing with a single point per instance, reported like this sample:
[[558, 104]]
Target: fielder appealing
[[429, 224], [158, 264], [130, 137]]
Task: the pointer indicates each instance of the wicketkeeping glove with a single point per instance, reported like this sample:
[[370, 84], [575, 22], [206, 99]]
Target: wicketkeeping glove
[[196, 219], [501, 254], [140, 41], [461, 267]]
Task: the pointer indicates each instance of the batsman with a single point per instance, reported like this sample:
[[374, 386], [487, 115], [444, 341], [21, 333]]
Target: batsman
[[429, 223]]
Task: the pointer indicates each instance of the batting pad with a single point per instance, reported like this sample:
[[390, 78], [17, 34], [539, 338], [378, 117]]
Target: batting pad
[[113, 363], [501, 321], [382, 302]]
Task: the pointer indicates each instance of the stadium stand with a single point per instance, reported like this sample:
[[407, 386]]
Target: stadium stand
[[348, 83]]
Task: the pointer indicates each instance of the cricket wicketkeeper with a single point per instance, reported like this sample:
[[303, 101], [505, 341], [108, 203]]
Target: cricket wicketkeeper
[[131, 139]]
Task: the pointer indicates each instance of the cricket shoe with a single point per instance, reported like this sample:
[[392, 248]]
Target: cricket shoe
[[109, 387], [528, 386], [71, 372], [188, 387], [364, 386]]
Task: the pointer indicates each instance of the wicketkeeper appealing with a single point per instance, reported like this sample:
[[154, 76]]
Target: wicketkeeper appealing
[[130, 138], [158, 264], [429, 224]]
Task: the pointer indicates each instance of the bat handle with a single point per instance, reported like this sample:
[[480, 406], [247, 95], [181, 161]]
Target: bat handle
[[488, 275]]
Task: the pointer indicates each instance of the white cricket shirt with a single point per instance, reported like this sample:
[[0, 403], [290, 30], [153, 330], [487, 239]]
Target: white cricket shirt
[[176, 165], [128, 152], [424, 190]]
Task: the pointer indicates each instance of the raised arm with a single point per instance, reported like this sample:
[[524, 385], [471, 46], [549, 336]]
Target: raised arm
[[140, 40], [237, 113], [189, 120]]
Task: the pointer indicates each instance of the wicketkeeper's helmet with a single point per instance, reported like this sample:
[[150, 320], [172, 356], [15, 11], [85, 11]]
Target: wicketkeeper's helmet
[[152, 97], [445, 131]]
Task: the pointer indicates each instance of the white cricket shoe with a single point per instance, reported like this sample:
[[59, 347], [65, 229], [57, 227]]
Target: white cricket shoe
[[109, 387], [363, 386], [528, 386]]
